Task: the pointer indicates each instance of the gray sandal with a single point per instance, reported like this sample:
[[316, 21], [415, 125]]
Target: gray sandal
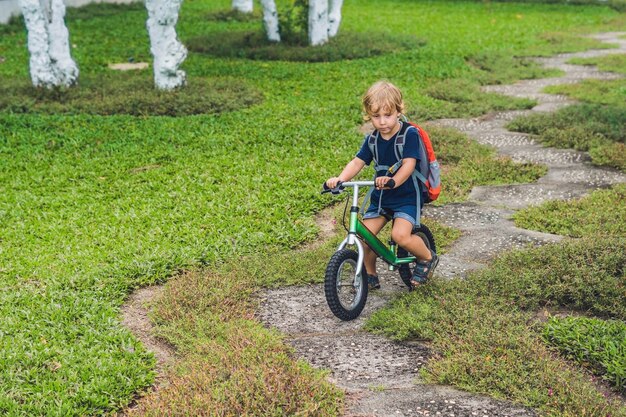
[[423, 270]]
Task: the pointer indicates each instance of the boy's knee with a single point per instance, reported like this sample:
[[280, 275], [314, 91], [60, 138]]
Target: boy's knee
[[400, 237]]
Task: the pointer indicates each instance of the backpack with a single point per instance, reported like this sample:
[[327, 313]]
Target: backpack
[[427, 172]]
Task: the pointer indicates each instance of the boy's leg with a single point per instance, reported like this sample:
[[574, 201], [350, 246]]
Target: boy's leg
[[427, 260], [374, 225], [401, 234]]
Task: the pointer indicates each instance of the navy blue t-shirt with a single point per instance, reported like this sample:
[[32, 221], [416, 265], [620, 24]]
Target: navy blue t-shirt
[[406, 193]]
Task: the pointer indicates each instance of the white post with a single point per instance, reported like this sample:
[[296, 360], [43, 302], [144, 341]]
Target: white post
[[63, 64], [167, 51], [334, 17], [51, 64], [270, 20], [244, 6], [318, 22]]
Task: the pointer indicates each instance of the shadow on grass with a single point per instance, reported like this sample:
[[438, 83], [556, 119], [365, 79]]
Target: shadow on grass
[[127, 93], [232, 15], [463, 99], [254, 45]]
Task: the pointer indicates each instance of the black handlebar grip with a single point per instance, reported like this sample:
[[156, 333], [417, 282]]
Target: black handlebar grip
[[390, 184], [335, 190]]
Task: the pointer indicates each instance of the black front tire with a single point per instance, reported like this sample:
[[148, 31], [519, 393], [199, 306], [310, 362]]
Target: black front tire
[[345, 291], [406, 270]]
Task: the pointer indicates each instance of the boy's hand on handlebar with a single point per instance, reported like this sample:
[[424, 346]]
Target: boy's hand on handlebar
[[333, 185], [384, 183], [333, 182]]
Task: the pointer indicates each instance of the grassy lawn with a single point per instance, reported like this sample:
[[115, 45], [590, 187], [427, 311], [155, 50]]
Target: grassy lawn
[[95, 203], [488, 332], [598, 343], [596, 125]]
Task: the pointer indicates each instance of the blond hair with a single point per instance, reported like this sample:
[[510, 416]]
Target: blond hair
[[382, 96]]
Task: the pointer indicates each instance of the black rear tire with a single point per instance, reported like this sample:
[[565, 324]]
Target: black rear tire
[[346, 292], [406, 270]]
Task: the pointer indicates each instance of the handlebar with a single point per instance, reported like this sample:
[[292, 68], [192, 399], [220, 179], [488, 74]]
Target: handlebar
[[340, 187]]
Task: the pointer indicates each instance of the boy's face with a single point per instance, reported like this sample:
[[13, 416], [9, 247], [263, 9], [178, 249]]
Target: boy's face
[[385, 120]]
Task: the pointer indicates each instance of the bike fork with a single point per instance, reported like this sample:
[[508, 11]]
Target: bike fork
[[353, 240]]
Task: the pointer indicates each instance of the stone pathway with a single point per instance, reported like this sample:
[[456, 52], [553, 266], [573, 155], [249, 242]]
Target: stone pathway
[[381, 376]]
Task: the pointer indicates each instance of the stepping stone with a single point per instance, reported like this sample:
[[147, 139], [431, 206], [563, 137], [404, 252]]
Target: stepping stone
[[129, 66], [302, 310], [591, 176], [433, 401], [516, 197], [538, 154], [359, 361], [502, 138]]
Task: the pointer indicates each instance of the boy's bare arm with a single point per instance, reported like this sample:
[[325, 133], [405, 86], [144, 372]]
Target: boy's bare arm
[[351, 169]]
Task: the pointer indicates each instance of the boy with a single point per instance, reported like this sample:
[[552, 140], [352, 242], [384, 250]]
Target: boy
[[383, 106]]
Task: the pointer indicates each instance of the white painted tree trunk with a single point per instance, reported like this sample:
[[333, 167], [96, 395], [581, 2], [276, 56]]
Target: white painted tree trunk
[[318, 22], [167, 51], [51, 64], [244, 6], [270, 20], [334, 17]]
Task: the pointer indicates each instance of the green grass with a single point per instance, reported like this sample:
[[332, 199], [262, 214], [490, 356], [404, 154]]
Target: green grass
[[128, 93], [501, 68], [232, 15], [483, 333], [229, 364], [583, 274], [589, 217], [254, 45], [616, 4], [463, 99], [612, 63], [598, 344], [95, 205], [596, 127], [608, 93], [484, 329], [595, 214]]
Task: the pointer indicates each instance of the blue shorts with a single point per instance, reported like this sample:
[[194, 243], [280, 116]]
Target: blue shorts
[[408, 212]]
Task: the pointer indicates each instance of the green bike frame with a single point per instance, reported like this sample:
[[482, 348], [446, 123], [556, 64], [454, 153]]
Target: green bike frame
[[357, 232]]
